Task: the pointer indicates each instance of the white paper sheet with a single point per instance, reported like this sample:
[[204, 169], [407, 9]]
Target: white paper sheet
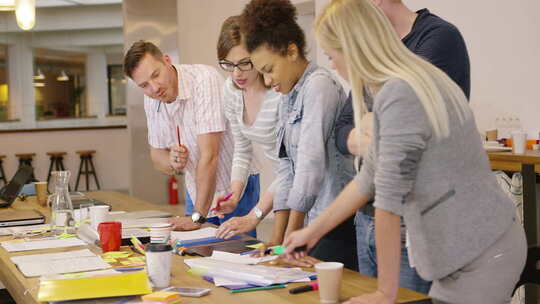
[[15, 246], [79, 264], [240, 259], [193, 235], [44, 257], [22, 229]]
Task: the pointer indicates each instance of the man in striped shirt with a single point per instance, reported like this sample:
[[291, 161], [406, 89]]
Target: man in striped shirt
[[184, 103]]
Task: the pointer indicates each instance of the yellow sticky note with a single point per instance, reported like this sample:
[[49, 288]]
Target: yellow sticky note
[[65, 236], [109, 260], [116, 254], [255, 246], [137, 259]]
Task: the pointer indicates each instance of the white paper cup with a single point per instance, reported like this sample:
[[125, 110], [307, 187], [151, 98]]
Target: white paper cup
[[160, 233], [158, 264], [329, 278], [519, 142], [98, 214]]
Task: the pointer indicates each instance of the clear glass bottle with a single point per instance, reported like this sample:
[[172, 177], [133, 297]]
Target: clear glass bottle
[[61, 205]]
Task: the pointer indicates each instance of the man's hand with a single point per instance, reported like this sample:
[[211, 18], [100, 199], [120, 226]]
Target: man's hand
[[178, 157], [183, 223]]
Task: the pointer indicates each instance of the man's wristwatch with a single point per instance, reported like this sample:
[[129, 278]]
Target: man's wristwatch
[[258, 213], [196, 217]]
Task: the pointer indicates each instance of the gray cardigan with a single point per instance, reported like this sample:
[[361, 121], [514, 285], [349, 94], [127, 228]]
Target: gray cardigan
[[450, 201]]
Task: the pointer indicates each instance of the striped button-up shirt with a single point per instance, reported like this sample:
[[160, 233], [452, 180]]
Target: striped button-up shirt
[[197, 110]]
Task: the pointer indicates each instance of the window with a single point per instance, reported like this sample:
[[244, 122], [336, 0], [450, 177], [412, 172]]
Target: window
[[4, 91], [117, 89], [59, 82]]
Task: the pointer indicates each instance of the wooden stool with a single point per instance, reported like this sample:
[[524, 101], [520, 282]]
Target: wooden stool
[[2, 173], [25, 159], [86, 160], [57, 163]]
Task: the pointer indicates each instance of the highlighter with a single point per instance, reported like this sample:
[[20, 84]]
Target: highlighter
[[310, 287]]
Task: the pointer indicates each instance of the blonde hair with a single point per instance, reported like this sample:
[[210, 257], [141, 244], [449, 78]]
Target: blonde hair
[[374, 54]]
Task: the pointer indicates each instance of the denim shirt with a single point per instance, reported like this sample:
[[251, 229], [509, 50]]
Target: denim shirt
[[311, 170]]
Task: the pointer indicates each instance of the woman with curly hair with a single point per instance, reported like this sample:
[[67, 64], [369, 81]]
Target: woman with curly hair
[[311, 170]]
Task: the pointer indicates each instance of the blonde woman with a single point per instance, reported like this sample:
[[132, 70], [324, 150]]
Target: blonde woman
[[427, 166]]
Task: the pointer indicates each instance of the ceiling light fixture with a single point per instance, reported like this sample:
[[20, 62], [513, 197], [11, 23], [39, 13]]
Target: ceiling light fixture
[[39, 75], [7, 5], [25, 12], [63, 76]]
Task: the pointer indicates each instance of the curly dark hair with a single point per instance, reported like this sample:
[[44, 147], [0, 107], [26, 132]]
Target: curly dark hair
[[271, 23]]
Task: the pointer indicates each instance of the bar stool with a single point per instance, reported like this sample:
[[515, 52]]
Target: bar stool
[[26, 159], [86, 161], [57, 163], [2, 173]]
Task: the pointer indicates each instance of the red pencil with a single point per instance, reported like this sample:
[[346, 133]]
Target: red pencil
[[178, 134], [218, 204]]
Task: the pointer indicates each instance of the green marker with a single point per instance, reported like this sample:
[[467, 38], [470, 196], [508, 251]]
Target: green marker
[[281, 249], [258, 288]]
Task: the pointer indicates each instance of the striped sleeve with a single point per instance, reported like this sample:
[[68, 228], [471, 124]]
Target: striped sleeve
[[158, 123], [243, 150]]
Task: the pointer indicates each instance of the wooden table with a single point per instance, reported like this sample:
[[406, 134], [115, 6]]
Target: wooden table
[[24, 290], [529, 165]]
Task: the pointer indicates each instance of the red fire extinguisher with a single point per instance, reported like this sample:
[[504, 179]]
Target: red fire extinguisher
[[173, 190]]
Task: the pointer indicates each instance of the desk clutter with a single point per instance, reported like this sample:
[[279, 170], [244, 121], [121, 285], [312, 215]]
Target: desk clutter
[[76, 272]]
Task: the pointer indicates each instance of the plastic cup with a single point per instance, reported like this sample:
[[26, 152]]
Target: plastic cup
[[519, 142], [110, 236], [98, 214], [160, 233], [41, 192], [329, 277], [158, 264]]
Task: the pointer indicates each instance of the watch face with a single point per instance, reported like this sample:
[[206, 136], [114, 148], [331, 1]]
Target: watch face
[[258, 212], [195, 217]]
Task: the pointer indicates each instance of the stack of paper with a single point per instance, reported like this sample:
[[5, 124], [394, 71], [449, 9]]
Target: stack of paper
[[194, 235], [25, 230], [63, 262], [240, 259], [251, 274], [25, 245]]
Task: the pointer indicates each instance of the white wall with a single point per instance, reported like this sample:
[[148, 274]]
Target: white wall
[[503, 40], [110, 161]]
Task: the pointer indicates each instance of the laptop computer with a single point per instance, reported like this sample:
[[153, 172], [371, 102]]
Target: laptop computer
[[11, 218], [9, 192]]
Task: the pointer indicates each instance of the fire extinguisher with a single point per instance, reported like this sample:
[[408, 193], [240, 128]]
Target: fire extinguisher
[[173, 190]]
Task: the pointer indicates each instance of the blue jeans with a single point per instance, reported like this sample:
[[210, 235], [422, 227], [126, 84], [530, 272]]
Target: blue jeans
[[246, 203], [367, 258]]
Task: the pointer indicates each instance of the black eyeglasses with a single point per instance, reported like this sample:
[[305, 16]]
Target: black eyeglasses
[[243, 66]]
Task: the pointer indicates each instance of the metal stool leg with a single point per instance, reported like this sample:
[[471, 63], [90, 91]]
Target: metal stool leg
[[50, 168], [2, 173], [79, 175], [86, 173], [94, 171]]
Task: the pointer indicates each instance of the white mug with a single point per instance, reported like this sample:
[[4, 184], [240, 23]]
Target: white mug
[[98, 214]]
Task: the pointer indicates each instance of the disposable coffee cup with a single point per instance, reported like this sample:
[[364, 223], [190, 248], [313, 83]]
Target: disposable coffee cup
[[158, 264], [41, 193], [98, 214], [160, 233], [519, 142], [329, 278]]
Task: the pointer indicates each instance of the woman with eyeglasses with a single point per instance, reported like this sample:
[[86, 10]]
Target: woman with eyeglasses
[[252, 110]]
